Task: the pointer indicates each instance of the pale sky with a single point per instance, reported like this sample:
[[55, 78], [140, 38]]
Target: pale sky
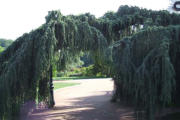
[[21, 16]]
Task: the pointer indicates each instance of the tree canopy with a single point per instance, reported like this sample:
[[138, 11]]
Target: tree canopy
[[139, 47]]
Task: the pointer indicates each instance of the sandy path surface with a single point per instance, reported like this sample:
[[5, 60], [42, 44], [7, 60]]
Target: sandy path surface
[[88, 101]]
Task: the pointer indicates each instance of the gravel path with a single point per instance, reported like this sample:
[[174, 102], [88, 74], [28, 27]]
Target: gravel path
[[88, 101]]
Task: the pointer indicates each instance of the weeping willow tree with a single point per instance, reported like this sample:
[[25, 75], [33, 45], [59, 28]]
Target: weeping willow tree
[[25, 65], [144, 64], [24, 68], [145, 68]]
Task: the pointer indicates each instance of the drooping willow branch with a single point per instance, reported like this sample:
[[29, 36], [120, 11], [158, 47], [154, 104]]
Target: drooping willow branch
[[144, 72], [143, 64]]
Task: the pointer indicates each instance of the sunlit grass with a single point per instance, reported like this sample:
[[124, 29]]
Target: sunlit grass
[[62, 85]]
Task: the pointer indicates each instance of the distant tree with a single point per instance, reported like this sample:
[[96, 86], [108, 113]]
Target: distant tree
[[1, 49], [5, 42], [87, 59]]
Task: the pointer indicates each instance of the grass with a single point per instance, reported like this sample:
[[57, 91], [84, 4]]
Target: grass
[[76, 77], [62, 85]]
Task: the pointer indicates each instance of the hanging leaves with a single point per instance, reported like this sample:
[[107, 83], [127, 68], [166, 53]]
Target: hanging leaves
[[144, 64]]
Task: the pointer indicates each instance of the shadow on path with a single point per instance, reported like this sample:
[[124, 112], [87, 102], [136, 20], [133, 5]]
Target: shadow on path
[[96, 107]]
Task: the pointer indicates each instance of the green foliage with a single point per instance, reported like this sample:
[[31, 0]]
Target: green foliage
[[68, 60], [87, 59], [144, 66], [89, 71], [24, 69], [76, 78], [144, 73], [5, 43], [1, 49]]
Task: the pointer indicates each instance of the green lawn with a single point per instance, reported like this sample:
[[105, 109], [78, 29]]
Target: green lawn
[[62, 85], [75, 77]]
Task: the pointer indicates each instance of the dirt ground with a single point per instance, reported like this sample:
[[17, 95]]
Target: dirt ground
[[88, 101]]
